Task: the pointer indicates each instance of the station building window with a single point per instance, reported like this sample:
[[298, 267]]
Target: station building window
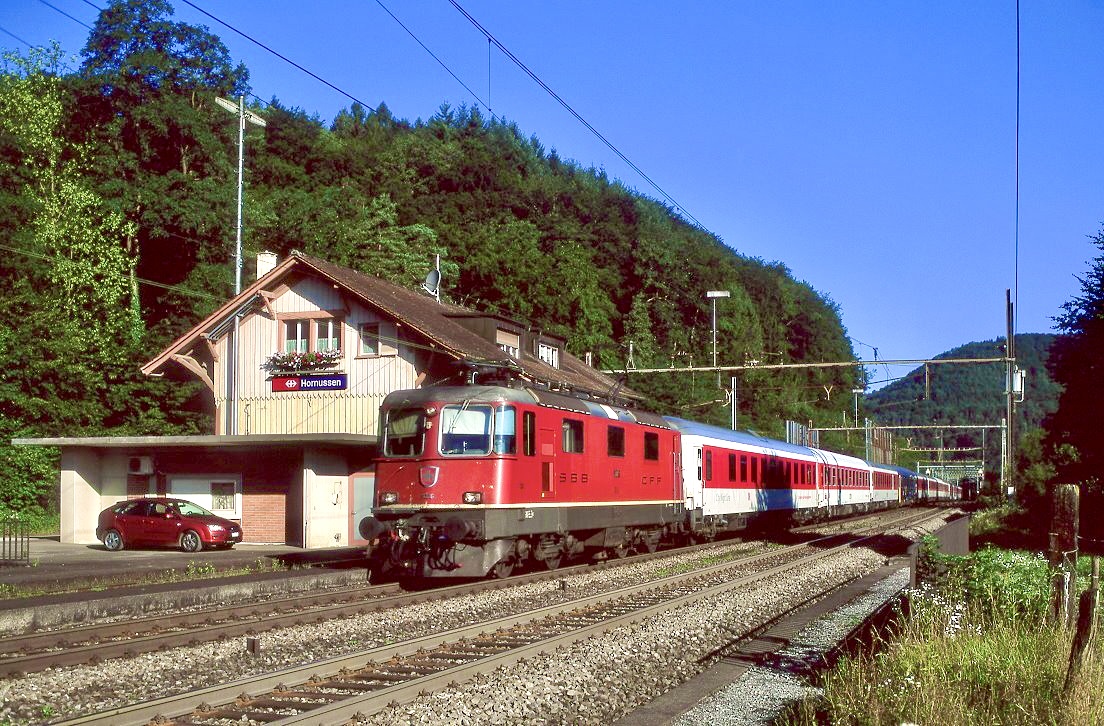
[[327, 334], [509, 342], [377, 339], [550, 354], [306, 335], [296, 336]]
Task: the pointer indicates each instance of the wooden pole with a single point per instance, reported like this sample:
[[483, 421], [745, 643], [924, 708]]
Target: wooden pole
[[1085, 636], [1063, 552]]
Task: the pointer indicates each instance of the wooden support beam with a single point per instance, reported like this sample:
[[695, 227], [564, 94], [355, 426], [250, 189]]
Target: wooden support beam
[[195, 367]]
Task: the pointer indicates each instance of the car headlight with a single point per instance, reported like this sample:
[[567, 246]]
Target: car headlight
[[388, 497], [216, 528]]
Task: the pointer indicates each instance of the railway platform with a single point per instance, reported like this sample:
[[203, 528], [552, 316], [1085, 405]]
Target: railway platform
[[52, 562], [67, 584]]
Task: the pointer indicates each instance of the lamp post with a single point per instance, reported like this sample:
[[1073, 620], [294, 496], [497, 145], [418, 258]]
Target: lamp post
[[243, 116], [232, 362]]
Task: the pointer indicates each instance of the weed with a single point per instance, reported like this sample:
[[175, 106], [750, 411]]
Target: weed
[[199, 569], [976, 648]]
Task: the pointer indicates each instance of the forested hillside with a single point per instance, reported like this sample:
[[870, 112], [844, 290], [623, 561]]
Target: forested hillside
[[970, 394], [118, 182]]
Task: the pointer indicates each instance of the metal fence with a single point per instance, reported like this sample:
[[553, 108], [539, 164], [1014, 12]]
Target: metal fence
[[15, 542]]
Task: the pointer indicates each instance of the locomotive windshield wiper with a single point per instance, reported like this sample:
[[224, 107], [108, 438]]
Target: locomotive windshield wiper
[[456, 417]]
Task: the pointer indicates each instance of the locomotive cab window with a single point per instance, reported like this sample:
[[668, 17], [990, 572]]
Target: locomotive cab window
[[465, 430], [651, 446], [572, 436], [505, 430], [529, 433], [404, 432]]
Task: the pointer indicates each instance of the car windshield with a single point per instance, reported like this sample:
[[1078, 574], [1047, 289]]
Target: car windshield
[[190, 509]]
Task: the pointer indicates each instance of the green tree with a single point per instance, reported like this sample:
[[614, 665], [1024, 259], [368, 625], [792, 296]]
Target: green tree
[[145, 102], [1077, 362], [71, 332]]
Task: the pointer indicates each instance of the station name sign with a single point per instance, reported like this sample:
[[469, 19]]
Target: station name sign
[[310, 383]]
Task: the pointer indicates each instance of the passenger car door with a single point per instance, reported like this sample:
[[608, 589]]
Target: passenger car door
[[163, 523], [131, 522]]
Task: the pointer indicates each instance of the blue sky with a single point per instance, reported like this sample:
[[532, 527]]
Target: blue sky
[[868, 146]]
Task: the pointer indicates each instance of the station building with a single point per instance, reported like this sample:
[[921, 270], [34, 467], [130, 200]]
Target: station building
[[296, 367]]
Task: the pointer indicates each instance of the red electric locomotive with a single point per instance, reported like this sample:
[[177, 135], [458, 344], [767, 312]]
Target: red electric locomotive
[[474, 480]]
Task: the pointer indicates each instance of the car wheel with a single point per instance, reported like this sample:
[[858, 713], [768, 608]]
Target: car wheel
[[113, 541], [190, 541]]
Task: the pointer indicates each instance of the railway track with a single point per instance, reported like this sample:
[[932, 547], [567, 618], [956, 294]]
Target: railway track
[[93, 643], [334, 690]]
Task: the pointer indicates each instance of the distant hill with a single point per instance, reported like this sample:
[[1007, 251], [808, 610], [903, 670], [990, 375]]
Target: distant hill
[[969, 394]]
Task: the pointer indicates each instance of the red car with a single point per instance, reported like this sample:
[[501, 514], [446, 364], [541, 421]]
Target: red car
[[165, 522]]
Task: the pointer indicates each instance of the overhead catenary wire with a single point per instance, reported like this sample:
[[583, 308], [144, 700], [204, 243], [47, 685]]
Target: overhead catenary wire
[[281, 56], [434, 56], [537, 79], [75, 20]]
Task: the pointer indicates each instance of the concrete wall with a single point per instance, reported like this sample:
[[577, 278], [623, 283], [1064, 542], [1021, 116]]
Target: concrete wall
[[81, 495]]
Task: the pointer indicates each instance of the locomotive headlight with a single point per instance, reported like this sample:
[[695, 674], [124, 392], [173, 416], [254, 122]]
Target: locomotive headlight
[[388, 497], [430, 410], [473, 497]]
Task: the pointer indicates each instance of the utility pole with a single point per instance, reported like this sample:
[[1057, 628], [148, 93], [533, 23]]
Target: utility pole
[[1010, 413]]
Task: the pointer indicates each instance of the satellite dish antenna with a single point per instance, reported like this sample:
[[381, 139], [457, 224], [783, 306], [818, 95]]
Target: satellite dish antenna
[[432, 283]]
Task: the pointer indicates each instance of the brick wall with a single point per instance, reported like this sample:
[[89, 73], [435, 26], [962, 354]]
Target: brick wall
[[264, 513]]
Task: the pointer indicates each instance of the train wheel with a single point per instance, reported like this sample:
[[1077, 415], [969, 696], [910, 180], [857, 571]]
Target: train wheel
[[503, 568], [649, 541], [553, 563], [620, 551]]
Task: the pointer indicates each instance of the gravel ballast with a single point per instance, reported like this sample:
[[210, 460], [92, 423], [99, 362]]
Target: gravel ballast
[[594, 681]]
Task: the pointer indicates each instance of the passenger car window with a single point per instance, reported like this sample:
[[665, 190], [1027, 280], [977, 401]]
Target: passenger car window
[[615, 441]]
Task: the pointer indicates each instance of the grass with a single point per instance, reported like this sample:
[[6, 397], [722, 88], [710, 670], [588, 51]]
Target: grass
[[193, 571], [977, 647]]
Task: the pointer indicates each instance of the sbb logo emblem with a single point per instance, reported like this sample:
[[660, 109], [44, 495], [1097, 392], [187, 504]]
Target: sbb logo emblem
[[291, 383]]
